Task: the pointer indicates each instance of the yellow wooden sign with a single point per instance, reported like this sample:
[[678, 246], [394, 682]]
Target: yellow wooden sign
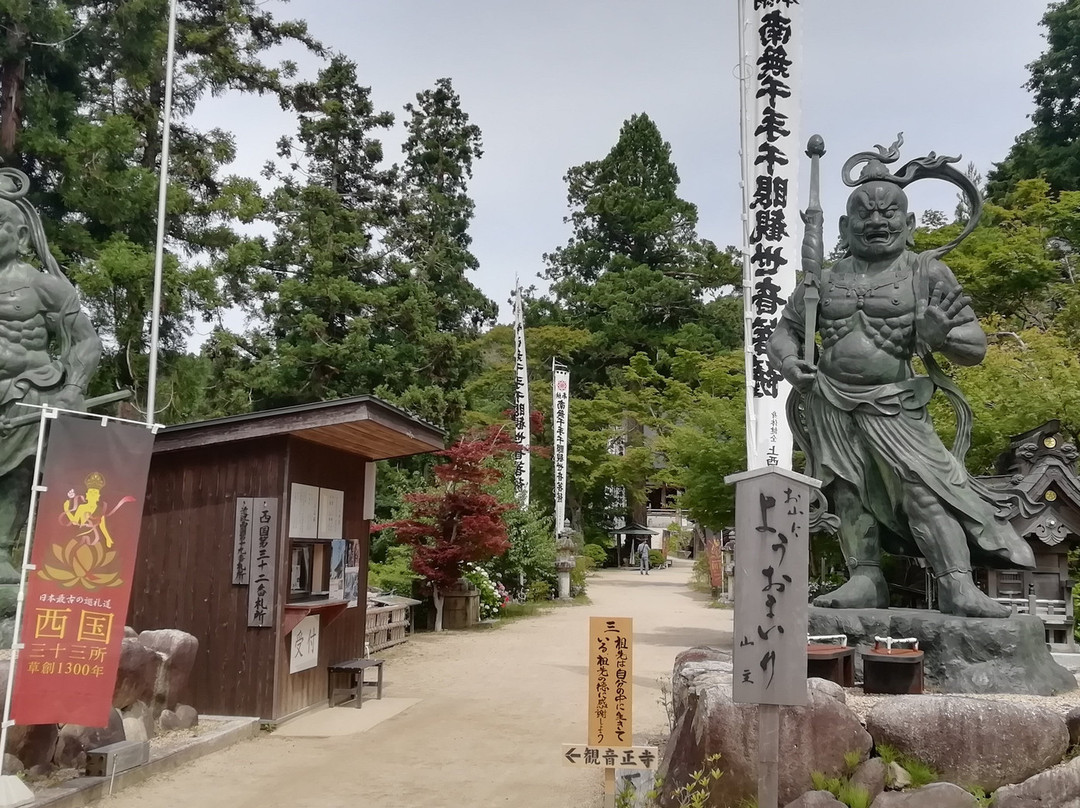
[[611, 676]]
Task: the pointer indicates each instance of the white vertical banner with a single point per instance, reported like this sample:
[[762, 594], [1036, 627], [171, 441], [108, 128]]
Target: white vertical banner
[[560, 392], [521, 405], [770, 53], [616, 494]]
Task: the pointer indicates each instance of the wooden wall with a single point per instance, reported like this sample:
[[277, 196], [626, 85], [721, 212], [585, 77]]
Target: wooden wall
[[183, 576], [316, 464]]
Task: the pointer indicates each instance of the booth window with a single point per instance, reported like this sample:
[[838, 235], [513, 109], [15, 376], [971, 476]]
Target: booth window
[[309, 571]]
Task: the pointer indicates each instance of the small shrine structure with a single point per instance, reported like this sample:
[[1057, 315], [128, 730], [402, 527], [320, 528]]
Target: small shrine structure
[[255, 539], [1042, 464]]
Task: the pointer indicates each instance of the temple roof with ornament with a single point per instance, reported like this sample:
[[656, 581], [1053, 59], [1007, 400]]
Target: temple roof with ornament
[[1041, 465]]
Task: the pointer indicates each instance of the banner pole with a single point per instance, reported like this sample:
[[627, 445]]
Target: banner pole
[[17, 628]]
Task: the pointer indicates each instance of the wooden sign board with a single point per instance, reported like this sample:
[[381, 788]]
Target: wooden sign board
[[611, 671], [629, 757], [331, 513], [304, 645], [262, 601], [242, 533], [303, 511], [771, 586]]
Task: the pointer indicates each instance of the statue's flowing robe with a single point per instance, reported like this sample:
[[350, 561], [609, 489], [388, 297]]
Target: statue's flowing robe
[[880, 439]]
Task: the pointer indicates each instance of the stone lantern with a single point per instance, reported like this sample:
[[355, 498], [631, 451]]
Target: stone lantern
[[565, 558]]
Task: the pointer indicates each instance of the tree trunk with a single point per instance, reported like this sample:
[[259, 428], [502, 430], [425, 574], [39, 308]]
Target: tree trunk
[[12, 84], [438, 598]]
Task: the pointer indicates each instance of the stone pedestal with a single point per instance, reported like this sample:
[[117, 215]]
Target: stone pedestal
[[962, 654], [564, 585]]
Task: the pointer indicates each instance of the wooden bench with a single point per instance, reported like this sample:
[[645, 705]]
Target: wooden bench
[[354, 669]]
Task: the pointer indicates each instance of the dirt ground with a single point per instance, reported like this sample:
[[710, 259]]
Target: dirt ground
[[495, 706]]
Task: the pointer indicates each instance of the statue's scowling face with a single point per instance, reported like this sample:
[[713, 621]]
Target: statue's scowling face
[[877, 225]]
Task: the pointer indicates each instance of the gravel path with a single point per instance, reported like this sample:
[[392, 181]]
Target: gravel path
[[496, 704]]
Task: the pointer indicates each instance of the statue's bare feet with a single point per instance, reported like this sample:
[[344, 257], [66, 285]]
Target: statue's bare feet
[[957, 594], [866, 590]]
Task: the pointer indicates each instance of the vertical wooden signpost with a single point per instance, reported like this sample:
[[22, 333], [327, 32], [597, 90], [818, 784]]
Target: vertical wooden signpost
[[611, 706], [772, 554]]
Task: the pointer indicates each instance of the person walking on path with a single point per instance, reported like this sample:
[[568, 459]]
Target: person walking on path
[[643, 556]]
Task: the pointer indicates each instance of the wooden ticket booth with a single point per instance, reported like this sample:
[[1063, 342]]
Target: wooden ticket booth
[[255, 540]]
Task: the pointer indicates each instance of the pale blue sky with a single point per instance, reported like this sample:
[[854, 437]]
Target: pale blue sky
[[550, 83]]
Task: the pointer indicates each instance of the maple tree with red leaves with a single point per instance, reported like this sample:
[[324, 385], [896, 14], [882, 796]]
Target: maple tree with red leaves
[[459, 522]]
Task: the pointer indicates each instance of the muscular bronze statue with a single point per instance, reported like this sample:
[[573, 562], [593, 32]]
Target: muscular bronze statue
[[48, 352], [860, 411]]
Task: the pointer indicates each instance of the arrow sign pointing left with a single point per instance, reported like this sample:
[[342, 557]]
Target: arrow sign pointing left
[[571, 756]]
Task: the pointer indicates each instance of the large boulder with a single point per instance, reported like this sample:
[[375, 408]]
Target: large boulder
[[1058, 787], [962, 654], [1072, 721], [816, 799], [871, 776], [695, 668], [34, 745], [75, 741], [935, 795], [178, 650], [814, 738], [974, 742], [141, 712], [137, 673]]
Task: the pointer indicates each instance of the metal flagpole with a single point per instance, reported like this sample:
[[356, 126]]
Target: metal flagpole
[[16, 644], [163, 187]]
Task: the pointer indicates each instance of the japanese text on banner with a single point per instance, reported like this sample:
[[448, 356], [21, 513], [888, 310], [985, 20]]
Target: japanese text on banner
[[771, 139], [85, 540]]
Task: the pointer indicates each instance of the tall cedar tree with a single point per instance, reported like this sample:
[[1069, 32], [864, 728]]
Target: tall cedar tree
[[1051, 147], [87, 129], [318, 295], [461, 522], [634, 273], [365, 286], [430, 240]]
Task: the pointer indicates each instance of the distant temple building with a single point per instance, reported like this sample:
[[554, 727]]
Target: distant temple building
[[1042, 464]]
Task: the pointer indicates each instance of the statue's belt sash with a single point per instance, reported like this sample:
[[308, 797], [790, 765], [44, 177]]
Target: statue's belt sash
[[911, 395]]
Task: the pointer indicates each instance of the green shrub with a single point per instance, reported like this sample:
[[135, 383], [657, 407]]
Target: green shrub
[[656, 558], [395, 574], [539, 591], [582, 566], [597, 553]]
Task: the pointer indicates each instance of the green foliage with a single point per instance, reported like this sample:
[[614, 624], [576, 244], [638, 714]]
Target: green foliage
[[852, 759], [854, 796], [90, 77], [579, 575], [538, 592], [1050, 148], [921, 774], [696, 793], [656, 558], [980, 795], [823, 782], [597, 553], [395, 573]]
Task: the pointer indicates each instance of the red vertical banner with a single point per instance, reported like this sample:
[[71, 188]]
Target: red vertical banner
[[86, 535]]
